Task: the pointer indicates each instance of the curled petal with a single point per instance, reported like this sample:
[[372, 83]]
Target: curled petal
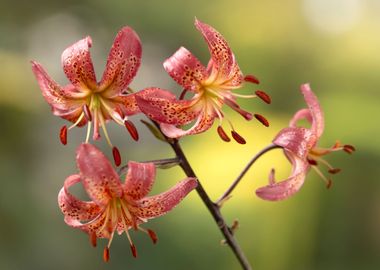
[[286, 188], [221, 53], [162, 106], [155, 206], [139, 179], [185, 69], [77, 64], [315, 109], [235, 79], [127, 105], [122, 64], [301, 114], [296, 140], [99, 179], [71, 206]]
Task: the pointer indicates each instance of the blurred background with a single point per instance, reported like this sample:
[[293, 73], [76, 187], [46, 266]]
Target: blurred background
[[333, 44]]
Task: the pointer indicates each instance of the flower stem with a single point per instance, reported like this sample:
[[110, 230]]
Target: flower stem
[[244, 171], [157, 162]]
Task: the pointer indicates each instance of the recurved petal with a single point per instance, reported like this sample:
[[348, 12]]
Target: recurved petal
[[99, 179], [74, 208], [185, 69], [299, 115], [235, 80], [77, 65], [288, 187], [126, 104], [318, 123], [221, 53], [122, 64], [155, 206], [296, 140], [139, 179], [163, 107]]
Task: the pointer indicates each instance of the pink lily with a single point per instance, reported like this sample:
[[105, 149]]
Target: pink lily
[[115, 206], [212, 88], [84, 101], [300, 147]]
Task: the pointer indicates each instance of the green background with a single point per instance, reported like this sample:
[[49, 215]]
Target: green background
[[333, 44]]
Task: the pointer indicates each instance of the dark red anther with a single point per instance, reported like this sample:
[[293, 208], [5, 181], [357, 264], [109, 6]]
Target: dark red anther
[[132, 130], [264, 96], [312, 162], [329, 184], [183, 93], [262, 119], [251, 79], [334, 170], [87, 113], [63, 135], [106, 254], [116, 156], [222, 134], [348, 148], [134, 250], [237, 137], [153, 236], [93, 239]]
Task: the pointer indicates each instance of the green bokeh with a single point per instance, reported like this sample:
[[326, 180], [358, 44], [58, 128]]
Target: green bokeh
[[334, 45]]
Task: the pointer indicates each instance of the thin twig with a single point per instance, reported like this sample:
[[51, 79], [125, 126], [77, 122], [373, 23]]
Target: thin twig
[[244, 171], [157, 162]]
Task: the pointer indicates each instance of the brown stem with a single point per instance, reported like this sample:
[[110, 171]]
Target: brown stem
[[244, 171], [157, 162]]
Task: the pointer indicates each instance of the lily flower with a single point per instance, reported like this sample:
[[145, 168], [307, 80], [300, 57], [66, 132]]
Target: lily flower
[[115, 206], [84, 101], [301, 148], [212, 87]]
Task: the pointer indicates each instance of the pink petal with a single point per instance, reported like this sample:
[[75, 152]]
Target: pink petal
[[297, 140], [72, 207], [139, 179], [185, 69], [288, 187], [235, 79], [122, 64], [299, 115], [125, 105], [77, 64], [155, 206], [162, 106], [315, 110], [99, 179], [221, 53]]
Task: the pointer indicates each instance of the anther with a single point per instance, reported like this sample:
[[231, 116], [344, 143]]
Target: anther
[[93, 239], [133, 250], [251, 79], [116, 156], [262, 119], [131, 129], [153, 236], [348, 148], [312, 162], [264, 96], [329, 183], [106, 254], [222, 134], [63, 135], [87, 113], [183, 93], [334, 170], [237, 137]]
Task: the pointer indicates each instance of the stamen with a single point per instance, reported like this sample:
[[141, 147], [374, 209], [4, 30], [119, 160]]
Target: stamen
[[327, 181], [222, 134], [63, 135], [131, 129], [153, 236], [251, 79], [78, 121], [237, 137], [134, 250], [106, 254], [93, 239], [262, 119], [334, 170], [116, 156], [233, 105], [348, 148], [88, 131], [264, 96], [183, 93], [102, 122], [87, 112], [312, 162]]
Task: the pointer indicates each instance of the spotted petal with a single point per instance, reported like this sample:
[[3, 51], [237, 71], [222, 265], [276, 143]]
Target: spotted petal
[[288, 187], [163, 107], [155, 206], [139, 179], [315, 110], [220, 51], [99, 179], [122, 64], [185, 69], [77, 65]]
